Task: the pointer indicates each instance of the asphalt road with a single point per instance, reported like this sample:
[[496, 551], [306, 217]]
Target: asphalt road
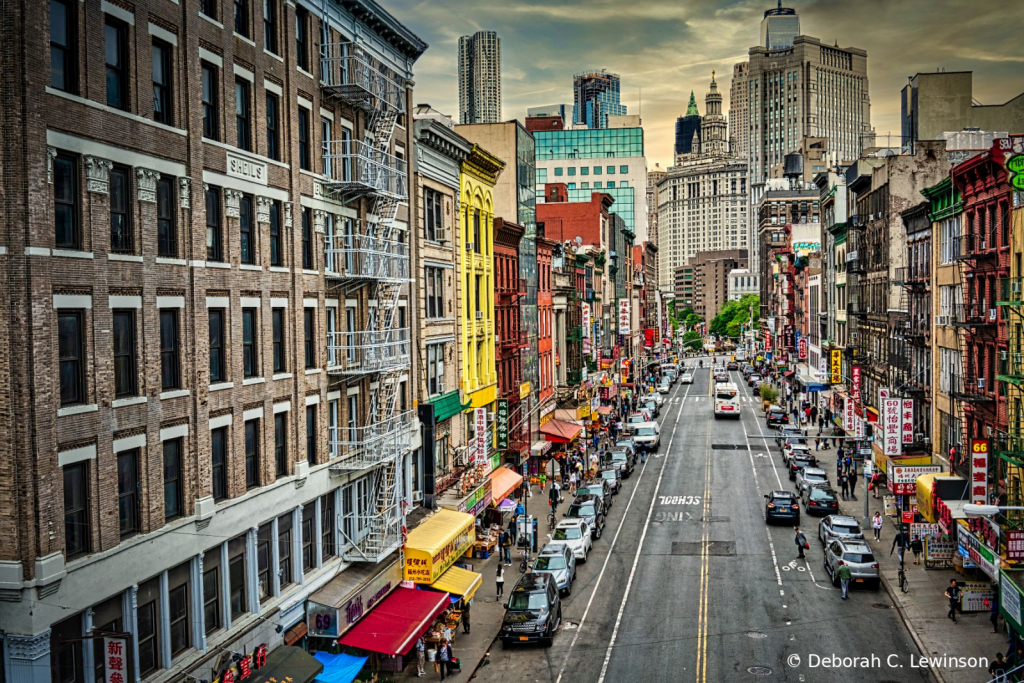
[[689, 584]]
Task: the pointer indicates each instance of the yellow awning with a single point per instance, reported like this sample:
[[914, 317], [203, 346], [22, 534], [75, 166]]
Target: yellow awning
[[434, 545], [458, 581]]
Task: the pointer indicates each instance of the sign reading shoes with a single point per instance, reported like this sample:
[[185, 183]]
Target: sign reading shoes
[[246, 168]]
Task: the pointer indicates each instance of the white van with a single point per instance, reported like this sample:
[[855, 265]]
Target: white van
[[647, 435], [727, 400]]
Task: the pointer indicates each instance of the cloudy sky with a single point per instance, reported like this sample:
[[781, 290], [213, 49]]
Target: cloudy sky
[[665, 48]]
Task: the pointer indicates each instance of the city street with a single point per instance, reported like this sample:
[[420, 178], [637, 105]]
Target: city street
[[689, 580]]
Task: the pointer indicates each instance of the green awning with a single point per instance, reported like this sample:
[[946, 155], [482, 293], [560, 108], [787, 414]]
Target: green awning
[[447, 405]]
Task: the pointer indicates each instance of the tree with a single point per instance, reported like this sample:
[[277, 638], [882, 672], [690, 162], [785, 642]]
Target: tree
[[737, 312], [692, 320], [692, 341]]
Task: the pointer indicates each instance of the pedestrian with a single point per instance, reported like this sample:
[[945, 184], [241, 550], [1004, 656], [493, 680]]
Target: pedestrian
[[998, 668], [839, 454], [899, 542], [916, 547], [421, 657], [506, 549], [444, 658], [814, 414], [465, 614], [499, 581], [543, 478], [801, 543], [953, 595], [853, 481], [844, 484], [512, 526], [993, 615], [844, 575], [839, 469], [876, 480], [572, 482], [817, 443], [876, 525]]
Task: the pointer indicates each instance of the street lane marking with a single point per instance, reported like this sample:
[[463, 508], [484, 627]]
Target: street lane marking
[[622, 522], [753, 469], [636, 558], [703, 619]]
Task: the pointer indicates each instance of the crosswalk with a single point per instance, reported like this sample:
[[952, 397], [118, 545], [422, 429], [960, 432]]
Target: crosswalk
[[750, 400]]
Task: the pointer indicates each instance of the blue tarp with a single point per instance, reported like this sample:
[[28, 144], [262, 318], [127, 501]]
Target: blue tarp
[[339, 668]]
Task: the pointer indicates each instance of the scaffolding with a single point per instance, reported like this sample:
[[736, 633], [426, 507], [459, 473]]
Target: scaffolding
[[365, 256]]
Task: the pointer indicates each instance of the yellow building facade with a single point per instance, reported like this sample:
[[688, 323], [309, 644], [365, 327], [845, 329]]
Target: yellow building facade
[[478, 176]]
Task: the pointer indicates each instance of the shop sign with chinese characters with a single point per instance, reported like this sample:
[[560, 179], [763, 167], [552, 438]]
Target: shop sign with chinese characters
[[849, 416], [855, 382], [979, 471], [115, 660], [1014, 545], [907, 420], [891, 426], [480, 425], [502, 420], [623, 316], [836, 366], [236, 673], [902, 479]]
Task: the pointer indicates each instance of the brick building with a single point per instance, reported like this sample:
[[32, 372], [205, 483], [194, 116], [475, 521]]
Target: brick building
[[206, 260], [546, 357], [509, 289], [711, 279]]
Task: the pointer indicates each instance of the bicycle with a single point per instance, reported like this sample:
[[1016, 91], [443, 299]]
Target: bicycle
[[901, 579], [524, 562], [552, 520]]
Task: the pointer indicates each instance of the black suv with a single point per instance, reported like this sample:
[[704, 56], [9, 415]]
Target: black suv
[[589, 508], [533, 612]]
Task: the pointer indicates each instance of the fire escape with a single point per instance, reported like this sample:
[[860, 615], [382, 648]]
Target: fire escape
[[908, 344], [366, 260], [510, 341], [858, 348]]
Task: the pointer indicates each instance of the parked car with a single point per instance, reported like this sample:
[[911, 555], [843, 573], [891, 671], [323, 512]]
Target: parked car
[[533, 612], [687, 377], [656, 397], [753, 380], [792, 449], [810, 476], [637, 418], [786, 431], [781, 505], [821, 499], [775, 416], [647, 436], [839, 526], [652, 407], [558, 561], [625, 442], [858, 556], [799, 461], [614, 479], [588, 508], [574, 534], [624, 459], [600, 488]]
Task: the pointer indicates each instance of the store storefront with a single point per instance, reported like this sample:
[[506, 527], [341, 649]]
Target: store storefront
[[435, 545], [346, 598], [264, 666], [392, 628], [471, 494], [504, 482]]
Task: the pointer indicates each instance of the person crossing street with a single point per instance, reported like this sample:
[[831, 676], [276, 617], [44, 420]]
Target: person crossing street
[[801, 543]]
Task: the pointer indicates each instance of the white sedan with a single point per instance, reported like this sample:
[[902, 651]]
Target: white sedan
[[575, 534], [656, 398], [687, 378]]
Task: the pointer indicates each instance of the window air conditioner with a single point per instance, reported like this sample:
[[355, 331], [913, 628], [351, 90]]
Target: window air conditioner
[[479, 315], [981, 382], [1003, 355], [991, 314], [1015, 287], [417, 496], [469, 246]]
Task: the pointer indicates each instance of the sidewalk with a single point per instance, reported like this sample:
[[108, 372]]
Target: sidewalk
[[923, 608]]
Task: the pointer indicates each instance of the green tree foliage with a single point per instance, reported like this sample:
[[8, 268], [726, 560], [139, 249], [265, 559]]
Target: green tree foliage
[[692, 341], [735, 314], [692, 320]]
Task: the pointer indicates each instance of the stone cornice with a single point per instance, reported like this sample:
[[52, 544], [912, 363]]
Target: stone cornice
[[483, 165]]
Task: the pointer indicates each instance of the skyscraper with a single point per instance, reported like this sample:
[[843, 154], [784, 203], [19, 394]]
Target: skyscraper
[[687, 127], [779, 27], [480, 78], [739, 111], [596, 97]]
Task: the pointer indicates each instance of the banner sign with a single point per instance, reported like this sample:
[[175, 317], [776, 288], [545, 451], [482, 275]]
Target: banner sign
[[623, 316], [922, 529], [115, 660], [480, 424], [907, 420], [902, 480], [979, 471], [855, 383], [585, 310], [836, 366], [980, 554], [849, 416], [891, 426], [1014, 545], [938, 549], [802, 348], [502, 424], [976, 596]]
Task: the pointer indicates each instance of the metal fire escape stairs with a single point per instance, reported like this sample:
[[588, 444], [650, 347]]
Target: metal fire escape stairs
[[372, 259]]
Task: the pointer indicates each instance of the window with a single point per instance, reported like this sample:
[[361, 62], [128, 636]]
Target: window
[[177, 600], [276, 246], [243, 120], [304, 139], [597, 170], [277, 336], [284, 550], [558, 172], [219, 459], [270, 26], [218, 346], [280, 445], [477, 237], [210, 128], [116, 38], [584, 170], [434, 291], [307, 238], [162, 103], [166, 229], [67, 232], [311, 434], [353, 418], [128, 491], [146, 633], [327, 526], [610, 170], [572, 171], [250, 347], [236, 577], [211, 598], [246, 232], [273, 144], [209, 8], [435, 369], [76, 510], [252, 454], [433, 222], [302, 38], [263, 538], [308, 535], [325, 146], [214, 248], [345, 149], [242, 17], [624, 170], [63, 43], [120, 211], [173, 496], [170, 359], [309, 330], [125, 377], [71, 352]]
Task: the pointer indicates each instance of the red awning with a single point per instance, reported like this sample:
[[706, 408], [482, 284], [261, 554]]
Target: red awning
[[394, 625], [788, 373], [605, 410], [558, 431]]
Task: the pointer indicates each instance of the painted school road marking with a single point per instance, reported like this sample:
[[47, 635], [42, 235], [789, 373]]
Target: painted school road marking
[[678, 500]]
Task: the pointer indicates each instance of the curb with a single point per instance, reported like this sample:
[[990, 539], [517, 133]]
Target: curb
[[936, 674]]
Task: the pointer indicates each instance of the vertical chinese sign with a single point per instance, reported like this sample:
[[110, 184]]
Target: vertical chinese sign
[[115, 660], [979, 471], [502, 424], [836, 367], [891, 426], [480, 425], [907, 420]]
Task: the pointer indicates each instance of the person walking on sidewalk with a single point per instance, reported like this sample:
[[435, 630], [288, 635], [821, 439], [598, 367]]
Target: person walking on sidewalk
[[444, 658], [953, 595], [844, 575], [844, 484], [853, 480], [499, 582], [916, 547], [899, 542], [998, 668], [801, 543], [876, 525], [465, 615], [506, 548], [421, 657], [994, 614], [876, 480]]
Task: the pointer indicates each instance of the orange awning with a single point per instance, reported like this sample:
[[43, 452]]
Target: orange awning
[[559, 431], [503, 482]]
